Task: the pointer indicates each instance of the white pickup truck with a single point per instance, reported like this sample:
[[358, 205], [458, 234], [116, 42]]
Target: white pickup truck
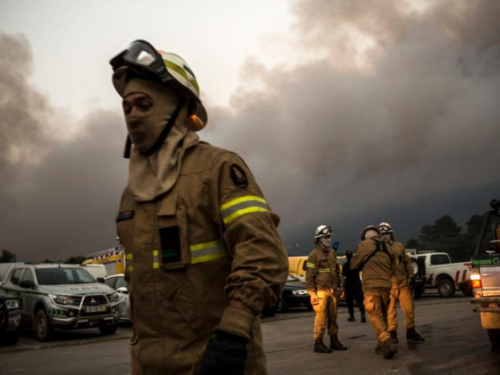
[[442, 274]]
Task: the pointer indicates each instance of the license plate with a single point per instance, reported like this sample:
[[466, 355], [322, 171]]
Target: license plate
[[93, 309]]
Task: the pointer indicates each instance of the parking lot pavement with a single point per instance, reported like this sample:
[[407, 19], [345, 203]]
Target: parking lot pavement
[[28, 339], [92, 335]]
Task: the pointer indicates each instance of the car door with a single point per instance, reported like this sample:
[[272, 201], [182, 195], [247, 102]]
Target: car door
[[28, 294], [13, 285]]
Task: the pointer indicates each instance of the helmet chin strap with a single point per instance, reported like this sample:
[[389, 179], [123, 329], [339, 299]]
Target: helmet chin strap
[[161, 138]]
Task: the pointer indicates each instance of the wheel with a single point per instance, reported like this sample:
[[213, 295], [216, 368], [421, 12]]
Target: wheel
[[281, 306], [269, 312], [108, 329], [10, 338], [44, 331], [466, 289], [494, 335], [446, 288]]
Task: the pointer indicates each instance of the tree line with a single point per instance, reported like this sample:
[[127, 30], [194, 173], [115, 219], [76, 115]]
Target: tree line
[[9, 257], [447, 236]]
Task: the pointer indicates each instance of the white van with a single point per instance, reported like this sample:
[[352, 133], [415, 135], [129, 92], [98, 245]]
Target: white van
[[96, 270]]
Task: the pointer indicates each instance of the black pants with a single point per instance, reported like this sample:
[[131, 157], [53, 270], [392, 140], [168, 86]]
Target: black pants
[[352, 294]]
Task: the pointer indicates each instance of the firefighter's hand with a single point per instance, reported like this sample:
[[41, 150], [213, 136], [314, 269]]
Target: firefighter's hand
[[225, 354], [314, 299]]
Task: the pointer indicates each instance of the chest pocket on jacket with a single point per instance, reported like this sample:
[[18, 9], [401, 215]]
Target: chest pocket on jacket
[[172, 231]]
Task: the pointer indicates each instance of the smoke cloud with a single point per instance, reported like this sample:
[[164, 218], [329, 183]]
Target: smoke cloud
[[60, 191], [401, 102], [384, 103]]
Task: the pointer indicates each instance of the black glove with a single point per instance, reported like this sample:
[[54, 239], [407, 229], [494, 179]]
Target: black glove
[[225, 354]]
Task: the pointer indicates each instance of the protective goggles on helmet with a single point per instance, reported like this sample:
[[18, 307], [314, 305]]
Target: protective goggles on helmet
[[385, 228], [144, 58], [323, 232]]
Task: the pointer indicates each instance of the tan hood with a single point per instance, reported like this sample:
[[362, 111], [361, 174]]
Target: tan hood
[[152, 176]]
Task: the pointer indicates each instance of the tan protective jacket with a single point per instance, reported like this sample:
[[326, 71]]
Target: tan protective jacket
[[402, 265], [378, 270], [212, 238], [323, 271]]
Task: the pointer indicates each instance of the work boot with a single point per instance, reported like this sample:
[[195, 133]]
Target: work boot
[[319, 347], [394, 336], [388, 350], [412, 335], [378, 349], [363, 318], [335, 343], [351, 319]]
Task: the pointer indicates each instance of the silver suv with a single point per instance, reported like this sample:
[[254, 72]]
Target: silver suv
[[62, 296]]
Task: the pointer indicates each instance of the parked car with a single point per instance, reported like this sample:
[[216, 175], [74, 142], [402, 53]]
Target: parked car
[[10, 318], [294, 295], [63, 296], [118, 283]]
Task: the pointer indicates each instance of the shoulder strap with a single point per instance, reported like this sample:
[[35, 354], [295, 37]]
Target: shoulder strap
[[379, 246]]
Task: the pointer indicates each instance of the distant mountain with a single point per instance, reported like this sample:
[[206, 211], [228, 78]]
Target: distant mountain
[[407, 219]]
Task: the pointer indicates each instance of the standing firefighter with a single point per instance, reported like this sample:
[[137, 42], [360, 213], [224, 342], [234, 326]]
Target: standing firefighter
[[401, 288], [353, 289], [374, 258], [323, 283], [203, 253]]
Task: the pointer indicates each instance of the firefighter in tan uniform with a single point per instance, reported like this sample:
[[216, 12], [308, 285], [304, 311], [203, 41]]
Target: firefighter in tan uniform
[[401, 289], [324, 283], [203, 253], [373, 257]]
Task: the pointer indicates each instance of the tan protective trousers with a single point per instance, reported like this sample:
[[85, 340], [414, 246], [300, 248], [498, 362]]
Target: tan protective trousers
[[326, 314], [405, 295], [376, 304]]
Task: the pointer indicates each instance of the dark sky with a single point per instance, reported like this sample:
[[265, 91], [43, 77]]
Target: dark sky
[[420, 113]]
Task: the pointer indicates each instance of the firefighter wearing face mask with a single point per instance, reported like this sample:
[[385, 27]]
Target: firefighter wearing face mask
[[324, 285], [373, 256], [203, 254], [401, 289]]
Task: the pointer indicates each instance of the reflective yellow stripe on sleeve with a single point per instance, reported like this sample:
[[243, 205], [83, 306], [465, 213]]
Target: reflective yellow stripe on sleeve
[[242, 206], [311, 265], [325, 270], [129, 261], [156, 259], [205, 252]]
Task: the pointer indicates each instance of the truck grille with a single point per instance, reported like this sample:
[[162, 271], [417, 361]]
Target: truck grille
[[92, 300]]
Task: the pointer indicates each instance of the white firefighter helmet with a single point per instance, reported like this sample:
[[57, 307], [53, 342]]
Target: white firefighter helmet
[[322, 231], [385, 228]]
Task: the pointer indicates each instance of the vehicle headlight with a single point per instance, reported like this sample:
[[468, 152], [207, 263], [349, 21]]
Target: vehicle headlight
[[12, 304], [62, 299], [113, 297], [299, 291]]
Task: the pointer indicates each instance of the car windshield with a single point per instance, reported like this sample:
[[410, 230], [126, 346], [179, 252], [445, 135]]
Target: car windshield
[[62, 276]]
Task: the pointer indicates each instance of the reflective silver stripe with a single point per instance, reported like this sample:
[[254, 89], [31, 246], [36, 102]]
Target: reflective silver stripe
[[207, 251]]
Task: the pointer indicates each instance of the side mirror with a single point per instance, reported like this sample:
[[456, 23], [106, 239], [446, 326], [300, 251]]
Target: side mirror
[[100, 280], [122, 290], [27, 284]]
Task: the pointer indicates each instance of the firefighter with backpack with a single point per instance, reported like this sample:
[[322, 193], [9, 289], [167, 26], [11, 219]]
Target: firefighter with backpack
[[374, 257]]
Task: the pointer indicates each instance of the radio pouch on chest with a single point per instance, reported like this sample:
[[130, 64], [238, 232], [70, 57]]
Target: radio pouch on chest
[[172, 234]]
